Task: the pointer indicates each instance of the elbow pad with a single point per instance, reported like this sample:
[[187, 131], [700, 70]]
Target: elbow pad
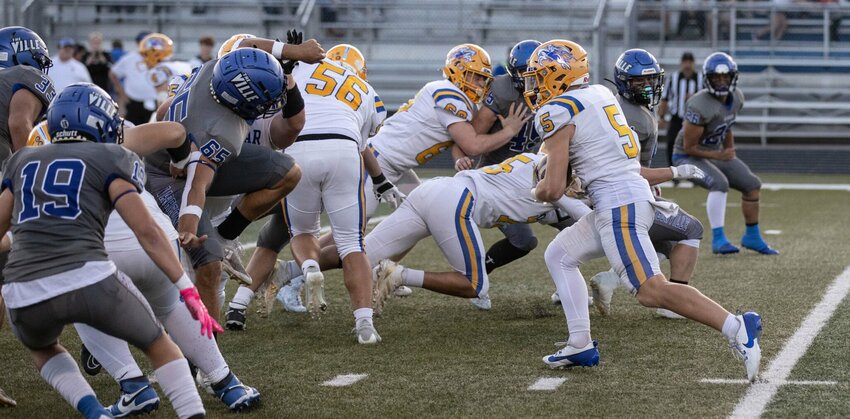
[[294, 103]]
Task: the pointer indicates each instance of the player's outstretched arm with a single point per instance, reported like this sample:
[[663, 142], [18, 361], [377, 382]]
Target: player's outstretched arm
[[24, 109], [553, 185], [129, 205], [663, 174], [474, 144], [484, 120], [199, 176], [309, 51], [154, 136]]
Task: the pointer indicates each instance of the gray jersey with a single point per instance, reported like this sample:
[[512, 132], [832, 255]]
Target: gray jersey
[[499, 99], [717, 117], [217, 131], [13, 79], [62, 205], [644, 122]]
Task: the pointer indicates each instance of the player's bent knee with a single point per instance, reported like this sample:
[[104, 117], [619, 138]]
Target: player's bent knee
[[650, 293], [347, 244], [524, 242], [557, 258]]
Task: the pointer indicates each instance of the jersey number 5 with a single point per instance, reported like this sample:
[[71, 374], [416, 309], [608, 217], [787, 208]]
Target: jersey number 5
[[347, 92], [506, 166], [61, 183], [631, 147]]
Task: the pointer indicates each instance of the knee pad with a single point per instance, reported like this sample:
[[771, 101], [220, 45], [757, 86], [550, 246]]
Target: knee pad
[[522, 239], [694, 230], [348, 242], [718, 184]]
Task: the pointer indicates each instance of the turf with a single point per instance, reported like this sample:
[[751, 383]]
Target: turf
[[442, 357]]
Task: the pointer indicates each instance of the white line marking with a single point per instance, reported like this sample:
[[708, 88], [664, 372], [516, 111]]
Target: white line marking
[[773, 232], [780, 186], [324, 230], [759, 394], [547, 384], [344, 380], [792, 382]]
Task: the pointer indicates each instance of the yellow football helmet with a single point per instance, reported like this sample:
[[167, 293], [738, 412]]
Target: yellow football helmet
[[465, 60], [39, 135], [349, 54], [554, 67], [228, 45], [156, 48]]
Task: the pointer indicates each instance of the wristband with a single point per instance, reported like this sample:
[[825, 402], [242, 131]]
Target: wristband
[[180, 154], [191, 210], [377, 180], [294, 102], [675, 171], [184, 282], [277, 49]]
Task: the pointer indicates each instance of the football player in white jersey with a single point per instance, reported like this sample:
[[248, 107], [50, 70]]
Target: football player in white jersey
[[157, 50], [582, 126], [439, 116]]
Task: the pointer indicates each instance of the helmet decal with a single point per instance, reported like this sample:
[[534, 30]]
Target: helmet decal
[[559, 54]]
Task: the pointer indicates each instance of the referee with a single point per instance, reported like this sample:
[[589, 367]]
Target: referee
[[680, 86]]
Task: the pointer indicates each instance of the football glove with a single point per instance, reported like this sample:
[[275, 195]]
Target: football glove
[[199, 312], [293, 37], [687, 171], [387, 192]]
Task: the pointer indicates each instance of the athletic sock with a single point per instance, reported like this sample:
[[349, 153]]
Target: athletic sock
[[309, 263], [179, 386], [412, 277], [63, 374], [242, 298], [718, 235], [502, 253], [363, 315], [233, 225], [292, 268], [753, 230], [715, 206], [572, 289], [201, 351], [730, 327]]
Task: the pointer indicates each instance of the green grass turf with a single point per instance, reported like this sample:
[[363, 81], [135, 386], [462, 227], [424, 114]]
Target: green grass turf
[[442, 357]]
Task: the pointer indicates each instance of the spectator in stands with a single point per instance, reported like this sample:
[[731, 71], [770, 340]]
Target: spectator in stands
[[679, 87], [205, 51], [136, 94], [117, 50], [98, 61], [67, 70], [778, 22]]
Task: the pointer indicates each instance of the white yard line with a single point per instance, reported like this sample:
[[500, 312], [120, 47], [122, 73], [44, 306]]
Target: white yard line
[[759, 394], [792, 382], [773, 232], [373, 220], [779, 186], [547, 384], [344, 380]]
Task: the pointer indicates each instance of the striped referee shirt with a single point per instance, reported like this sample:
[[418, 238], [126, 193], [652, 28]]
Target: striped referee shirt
[[678, 89]]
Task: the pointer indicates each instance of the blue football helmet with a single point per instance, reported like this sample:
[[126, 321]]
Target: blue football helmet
[[250, 82], [638, 77], [22, 46], [716, 64], [518, 61], [83, 111]]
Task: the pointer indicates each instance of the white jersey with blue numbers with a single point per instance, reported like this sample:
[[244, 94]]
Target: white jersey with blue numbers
[[419, 130], [336, 101], [503, 192], [604, 152]]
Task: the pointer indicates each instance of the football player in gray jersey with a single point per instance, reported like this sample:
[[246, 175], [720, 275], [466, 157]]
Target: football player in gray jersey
[[56, 200], [706, 141]]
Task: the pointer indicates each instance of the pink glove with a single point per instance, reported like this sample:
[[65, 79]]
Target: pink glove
[[199, 312]]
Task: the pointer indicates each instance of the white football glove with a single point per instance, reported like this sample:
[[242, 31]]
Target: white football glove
[[387, 192], [687, 171]]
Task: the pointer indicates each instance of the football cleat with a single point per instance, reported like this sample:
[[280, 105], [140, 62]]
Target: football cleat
[[757, 244], [663, 312], [569, 356], [402, 291], [235, 319], [237, 396], [745, 346], [723, 247], [602, 286], [315, 292], [279, 277], [203, 382], [137, 397], [366, 334], [263, 308], [483, 303], [290, 296], [232, 261], [387, 277], [90, 364], [6, 400]]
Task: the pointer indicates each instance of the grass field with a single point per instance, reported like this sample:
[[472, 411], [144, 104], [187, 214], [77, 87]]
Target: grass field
[[442, 357]]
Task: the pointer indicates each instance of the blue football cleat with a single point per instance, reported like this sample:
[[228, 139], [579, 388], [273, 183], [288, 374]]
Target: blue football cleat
[[757, 244], [569, 356], [237, 396], [724, 248], [745, 346], [137, 397]]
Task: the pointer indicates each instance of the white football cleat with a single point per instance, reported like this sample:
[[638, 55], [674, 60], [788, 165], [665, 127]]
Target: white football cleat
[[745, 346], [402, 291], [279, 277], [569, 356], [483, 303], [366, 334], [663, 312], [603, 285], [387, 277], [290, 296], [315, 292], [232, 261]]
